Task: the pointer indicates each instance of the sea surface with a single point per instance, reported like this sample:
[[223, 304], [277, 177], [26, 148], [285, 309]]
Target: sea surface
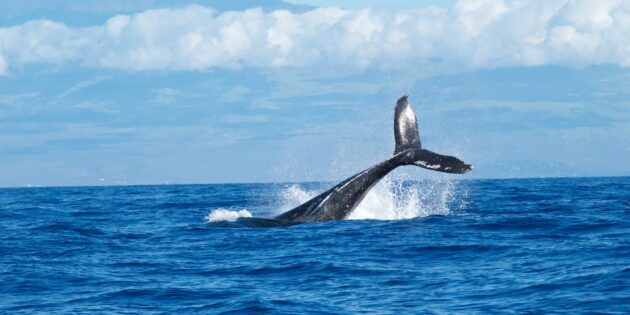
[[436, 246]]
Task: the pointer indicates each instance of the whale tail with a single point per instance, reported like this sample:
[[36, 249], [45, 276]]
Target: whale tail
[[409, 148]]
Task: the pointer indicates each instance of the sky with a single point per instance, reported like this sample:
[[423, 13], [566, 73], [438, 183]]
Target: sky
[[360, 4], [170, 91]]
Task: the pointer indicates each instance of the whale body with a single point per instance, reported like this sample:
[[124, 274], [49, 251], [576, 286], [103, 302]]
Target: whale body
[[339, 201]]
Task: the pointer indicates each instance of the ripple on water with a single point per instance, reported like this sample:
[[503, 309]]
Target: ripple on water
[[480, 246]]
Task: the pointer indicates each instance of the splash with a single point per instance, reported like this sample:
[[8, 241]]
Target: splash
[[221, 214], [390, 199], [395, 200], [293, 196]]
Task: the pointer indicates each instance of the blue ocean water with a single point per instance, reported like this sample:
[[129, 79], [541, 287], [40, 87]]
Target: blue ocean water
[[474, 246]]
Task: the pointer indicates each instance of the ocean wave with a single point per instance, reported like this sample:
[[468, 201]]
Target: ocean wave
[[221, 214]]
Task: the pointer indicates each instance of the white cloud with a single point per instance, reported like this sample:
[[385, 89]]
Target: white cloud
[[167, 95], [83, 85], [241, 119], [3, 66], [234, 94], [98, 107], [472, 34], [17, 99]]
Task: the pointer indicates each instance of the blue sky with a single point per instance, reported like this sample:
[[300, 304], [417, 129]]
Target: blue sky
[[165, 91]]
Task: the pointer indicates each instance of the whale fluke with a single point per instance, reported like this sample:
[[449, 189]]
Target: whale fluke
[[339, 201], [408, 141]]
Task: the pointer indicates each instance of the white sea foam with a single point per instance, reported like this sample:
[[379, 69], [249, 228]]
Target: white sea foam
[[389, 199], [393, 200], [294, 196], [221, 214]]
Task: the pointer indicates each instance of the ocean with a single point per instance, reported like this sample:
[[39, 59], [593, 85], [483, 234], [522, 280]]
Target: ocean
[[435, 246]]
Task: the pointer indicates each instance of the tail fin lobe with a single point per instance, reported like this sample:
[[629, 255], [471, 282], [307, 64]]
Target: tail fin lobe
[[405, 126], [441, 163], [408, 143]]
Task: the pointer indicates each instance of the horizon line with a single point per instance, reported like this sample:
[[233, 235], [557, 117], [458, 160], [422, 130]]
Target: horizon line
[[293, 182]]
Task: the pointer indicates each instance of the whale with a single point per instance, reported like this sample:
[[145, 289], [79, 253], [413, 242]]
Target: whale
[[339, 201]]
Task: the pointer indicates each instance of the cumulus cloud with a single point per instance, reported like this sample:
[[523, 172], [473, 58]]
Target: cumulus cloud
[[471, 34]]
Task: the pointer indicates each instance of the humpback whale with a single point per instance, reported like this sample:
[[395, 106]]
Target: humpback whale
[[339, 201]]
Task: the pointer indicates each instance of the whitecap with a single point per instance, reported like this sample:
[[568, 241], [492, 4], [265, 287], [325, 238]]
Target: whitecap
[[221, 214]]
